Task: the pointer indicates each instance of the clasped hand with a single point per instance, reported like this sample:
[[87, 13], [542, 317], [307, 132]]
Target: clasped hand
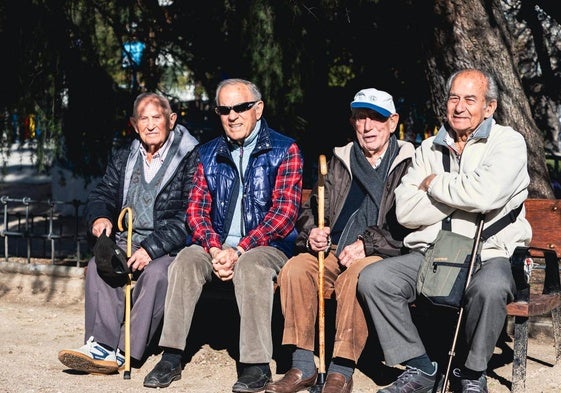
[[223, 262], [318, 240]]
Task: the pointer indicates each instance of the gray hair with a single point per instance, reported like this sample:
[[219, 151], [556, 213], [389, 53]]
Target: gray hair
[[159, 99], [492, 92], [255, 93]]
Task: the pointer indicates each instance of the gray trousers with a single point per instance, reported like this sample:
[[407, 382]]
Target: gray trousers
[[254, 275], [105, 306], [389, 286]]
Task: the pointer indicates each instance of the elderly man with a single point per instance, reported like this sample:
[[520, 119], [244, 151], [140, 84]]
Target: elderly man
[[242, 213], [152, 175], [363, 229]]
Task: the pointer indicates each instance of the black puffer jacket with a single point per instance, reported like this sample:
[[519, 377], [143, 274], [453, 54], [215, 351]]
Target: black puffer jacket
[[170, 230]]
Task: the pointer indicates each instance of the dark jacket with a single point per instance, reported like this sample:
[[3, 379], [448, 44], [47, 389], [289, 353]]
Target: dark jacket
[[170, 230], [386, 238]]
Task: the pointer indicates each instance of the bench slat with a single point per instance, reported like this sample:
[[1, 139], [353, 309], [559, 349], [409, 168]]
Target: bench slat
[[538, 305]]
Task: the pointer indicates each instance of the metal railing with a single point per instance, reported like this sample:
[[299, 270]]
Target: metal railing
[[41, 228]]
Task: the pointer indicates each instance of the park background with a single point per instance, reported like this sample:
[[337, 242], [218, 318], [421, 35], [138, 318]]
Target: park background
[[73, 68]]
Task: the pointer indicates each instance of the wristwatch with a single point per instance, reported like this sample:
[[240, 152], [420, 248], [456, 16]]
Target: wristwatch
[[360, 237]]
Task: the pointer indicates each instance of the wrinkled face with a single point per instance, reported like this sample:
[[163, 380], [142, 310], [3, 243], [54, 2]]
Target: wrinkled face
[[238, 111], [373, 130], [152, 124], [467, 106]]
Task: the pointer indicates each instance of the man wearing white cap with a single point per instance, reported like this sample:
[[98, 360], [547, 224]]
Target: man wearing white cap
[[361, 228]]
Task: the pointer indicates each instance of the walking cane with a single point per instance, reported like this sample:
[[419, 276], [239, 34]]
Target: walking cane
[[321, 270], [474, 252], [127, 373]]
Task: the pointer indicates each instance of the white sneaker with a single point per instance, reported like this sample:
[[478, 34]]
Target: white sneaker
[[120, 358], [90, 358]]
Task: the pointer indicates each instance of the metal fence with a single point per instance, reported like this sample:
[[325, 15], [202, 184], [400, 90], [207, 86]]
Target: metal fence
[[38, 229]]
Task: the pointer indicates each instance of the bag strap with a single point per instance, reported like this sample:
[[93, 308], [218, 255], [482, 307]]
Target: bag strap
[[501, 223], [446, 159], [447, 221], [493, 229]]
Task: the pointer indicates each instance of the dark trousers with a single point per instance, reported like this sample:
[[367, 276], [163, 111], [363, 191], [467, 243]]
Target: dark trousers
[[105, 306], [389, 286]]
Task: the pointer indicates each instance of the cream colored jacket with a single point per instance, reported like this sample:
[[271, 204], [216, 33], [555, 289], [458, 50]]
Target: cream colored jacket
[[490, 177]]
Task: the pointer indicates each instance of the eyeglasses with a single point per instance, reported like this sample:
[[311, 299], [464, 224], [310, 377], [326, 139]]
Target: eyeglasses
[[244, 106]]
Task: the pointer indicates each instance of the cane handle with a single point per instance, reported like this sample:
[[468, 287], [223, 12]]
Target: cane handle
[[129, 227]]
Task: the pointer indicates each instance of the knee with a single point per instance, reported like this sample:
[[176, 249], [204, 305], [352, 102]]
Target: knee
[[498, 292], [369, 279], [294, 270], [185, 264], [347, 280], [156, 271]]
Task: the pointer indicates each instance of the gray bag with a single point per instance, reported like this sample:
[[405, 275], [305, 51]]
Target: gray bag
[[443, 274]]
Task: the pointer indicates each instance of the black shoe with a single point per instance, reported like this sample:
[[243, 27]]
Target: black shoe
[[162, 375], [252, 379]]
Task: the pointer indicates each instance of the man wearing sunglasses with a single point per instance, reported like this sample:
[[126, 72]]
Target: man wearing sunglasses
[[242, 213]]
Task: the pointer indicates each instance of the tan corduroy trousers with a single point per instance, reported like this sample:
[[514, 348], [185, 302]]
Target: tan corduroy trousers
[[298, 281]]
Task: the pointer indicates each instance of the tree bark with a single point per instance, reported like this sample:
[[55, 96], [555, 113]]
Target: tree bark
[[474, 34]]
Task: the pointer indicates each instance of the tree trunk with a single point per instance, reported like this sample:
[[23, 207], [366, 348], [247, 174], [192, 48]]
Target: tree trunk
[[474, 34]]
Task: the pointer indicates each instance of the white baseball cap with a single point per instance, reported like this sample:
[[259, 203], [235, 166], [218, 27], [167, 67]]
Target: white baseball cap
[[374, 99]]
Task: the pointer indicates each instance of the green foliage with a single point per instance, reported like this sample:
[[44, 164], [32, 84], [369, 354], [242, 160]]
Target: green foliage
[[340, 75]]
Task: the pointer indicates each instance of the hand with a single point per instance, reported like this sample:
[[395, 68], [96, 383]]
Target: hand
[[318, 239], [426, 182], [224, 275], [139, 260], [99, 225], [223, 262], [351, 253]]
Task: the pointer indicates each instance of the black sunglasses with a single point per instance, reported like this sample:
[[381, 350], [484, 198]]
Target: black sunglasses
[[244, 106]]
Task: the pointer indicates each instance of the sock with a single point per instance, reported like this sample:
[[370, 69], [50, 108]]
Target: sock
[[173, 356], [107, 347], [303, 360], [342, 366], [422, 363], [471, 374], [262, 366]]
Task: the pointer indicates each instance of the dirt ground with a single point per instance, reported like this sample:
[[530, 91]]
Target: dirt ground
[[40, 315]]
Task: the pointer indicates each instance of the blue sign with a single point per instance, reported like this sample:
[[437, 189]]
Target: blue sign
[[132, 51]]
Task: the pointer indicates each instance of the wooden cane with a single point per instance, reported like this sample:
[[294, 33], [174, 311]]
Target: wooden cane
[[127, 372], [322, 172]]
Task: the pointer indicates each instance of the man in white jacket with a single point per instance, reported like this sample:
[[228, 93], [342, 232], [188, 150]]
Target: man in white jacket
[[488, 175]]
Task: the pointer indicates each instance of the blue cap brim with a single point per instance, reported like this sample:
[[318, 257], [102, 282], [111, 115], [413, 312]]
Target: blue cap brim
[[375, 108]]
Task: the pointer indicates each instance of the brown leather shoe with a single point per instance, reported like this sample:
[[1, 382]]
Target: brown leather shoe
[[336, 383], [292, 382]]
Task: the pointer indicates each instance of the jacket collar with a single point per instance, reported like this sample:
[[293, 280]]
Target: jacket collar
[[263, 141], [481, 132]]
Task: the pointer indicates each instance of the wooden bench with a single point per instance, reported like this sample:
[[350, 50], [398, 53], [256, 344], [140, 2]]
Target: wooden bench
[[544, 216]]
